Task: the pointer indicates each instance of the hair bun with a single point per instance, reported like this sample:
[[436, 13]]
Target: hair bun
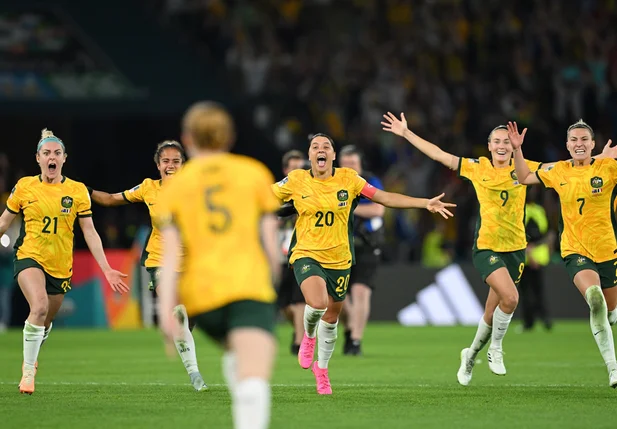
[[46, 133]]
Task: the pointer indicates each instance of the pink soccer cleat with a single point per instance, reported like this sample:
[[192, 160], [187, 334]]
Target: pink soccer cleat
[[307, 350], [322, 379]]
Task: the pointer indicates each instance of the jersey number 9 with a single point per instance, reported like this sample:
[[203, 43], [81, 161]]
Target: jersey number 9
[[214, 210]]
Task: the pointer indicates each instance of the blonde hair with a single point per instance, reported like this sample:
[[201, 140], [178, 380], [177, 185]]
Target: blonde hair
[[581, 124], [210, 126], [48, 136], [166, 144]]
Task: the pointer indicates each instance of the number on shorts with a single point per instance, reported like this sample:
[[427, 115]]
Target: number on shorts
[[223, 212], [580, 208], [521, 268], [504, 197], [343, 284], [66, 286]]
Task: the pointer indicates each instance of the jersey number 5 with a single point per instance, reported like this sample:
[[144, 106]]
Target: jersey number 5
[[215, 210]]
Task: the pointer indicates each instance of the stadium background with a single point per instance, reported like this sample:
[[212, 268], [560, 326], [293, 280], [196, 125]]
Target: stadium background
[[114, 81]]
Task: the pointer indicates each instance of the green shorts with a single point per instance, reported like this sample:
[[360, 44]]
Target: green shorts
[[487, 261], [240, 314], [337, 281], [606, 270], [154, 272], [53, 285]]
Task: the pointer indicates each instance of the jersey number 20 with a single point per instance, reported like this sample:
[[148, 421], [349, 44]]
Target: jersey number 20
[[328, 218]]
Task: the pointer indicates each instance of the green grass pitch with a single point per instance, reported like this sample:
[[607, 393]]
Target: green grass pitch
[[407, 379]]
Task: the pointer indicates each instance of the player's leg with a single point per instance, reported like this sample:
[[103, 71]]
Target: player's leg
[[184, 341], [345, 318], [55, 302], [587, 281], [326, 337], [482, 337], [528, 302], [311, 278], [252, 343], [501, 282], [297, 312], [610, 295], [31, 281]]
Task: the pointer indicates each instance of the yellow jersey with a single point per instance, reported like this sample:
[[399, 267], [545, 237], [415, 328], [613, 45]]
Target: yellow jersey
[[49, 212], [587, 195], [324, 228], [501, 222], [147, 192], [217, 203]]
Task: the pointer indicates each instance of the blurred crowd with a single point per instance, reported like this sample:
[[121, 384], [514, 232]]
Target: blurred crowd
[[457, 68]]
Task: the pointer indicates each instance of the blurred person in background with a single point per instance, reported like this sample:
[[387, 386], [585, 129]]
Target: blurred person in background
[[368, 239], [290, 298], [6, 253], [531, 288]]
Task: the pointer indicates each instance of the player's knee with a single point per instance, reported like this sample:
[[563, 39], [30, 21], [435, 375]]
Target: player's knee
[[509, 302], [595, 299], [330, 317], [317, 301], [39, 309]]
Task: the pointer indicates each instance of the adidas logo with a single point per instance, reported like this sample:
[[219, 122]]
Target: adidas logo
[[448, 301]]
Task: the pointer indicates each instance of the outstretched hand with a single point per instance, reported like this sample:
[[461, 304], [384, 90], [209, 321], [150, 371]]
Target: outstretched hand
[[114, 278], [435, 205], [394, 125], [608, 151], [516, 138]]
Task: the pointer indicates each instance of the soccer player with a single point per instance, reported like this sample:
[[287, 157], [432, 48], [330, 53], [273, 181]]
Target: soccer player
[[587, 191], [321, 252], [368, 235], [221, 209], [168, 157], [49, 203], [500, 240], [290, 297]]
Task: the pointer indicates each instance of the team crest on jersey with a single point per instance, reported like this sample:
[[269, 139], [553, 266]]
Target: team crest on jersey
[[67, 203], [342, 195], [305, 269], [493, 260], [597, 182], [513, 175], [581, 261], [282, 182]]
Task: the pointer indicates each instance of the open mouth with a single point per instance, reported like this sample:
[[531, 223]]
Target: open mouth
[[52, 167], [579, 151], [501, 152], [321, 161], [170, 172]]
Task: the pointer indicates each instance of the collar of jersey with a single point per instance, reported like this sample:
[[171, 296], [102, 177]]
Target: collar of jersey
[[591, 163], [41, 178], [311, 172]]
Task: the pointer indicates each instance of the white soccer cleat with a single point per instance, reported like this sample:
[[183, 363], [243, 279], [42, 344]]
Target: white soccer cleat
[[465, 370], [612, 379], [495, 361]]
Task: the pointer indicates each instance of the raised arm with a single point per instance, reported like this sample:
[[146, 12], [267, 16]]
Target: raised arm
[[108, 200], [524, 174], [399, 201], [399, 127], [93, 240], [5, 221]]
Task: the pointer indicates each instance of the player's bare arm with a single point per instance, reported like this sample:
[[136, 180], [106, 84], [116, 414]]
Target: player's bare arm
[[93, 240], [369, 210], [269, 234], [399, 201], [5, 221], [399, 127], [108, 200], [524, 174]]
